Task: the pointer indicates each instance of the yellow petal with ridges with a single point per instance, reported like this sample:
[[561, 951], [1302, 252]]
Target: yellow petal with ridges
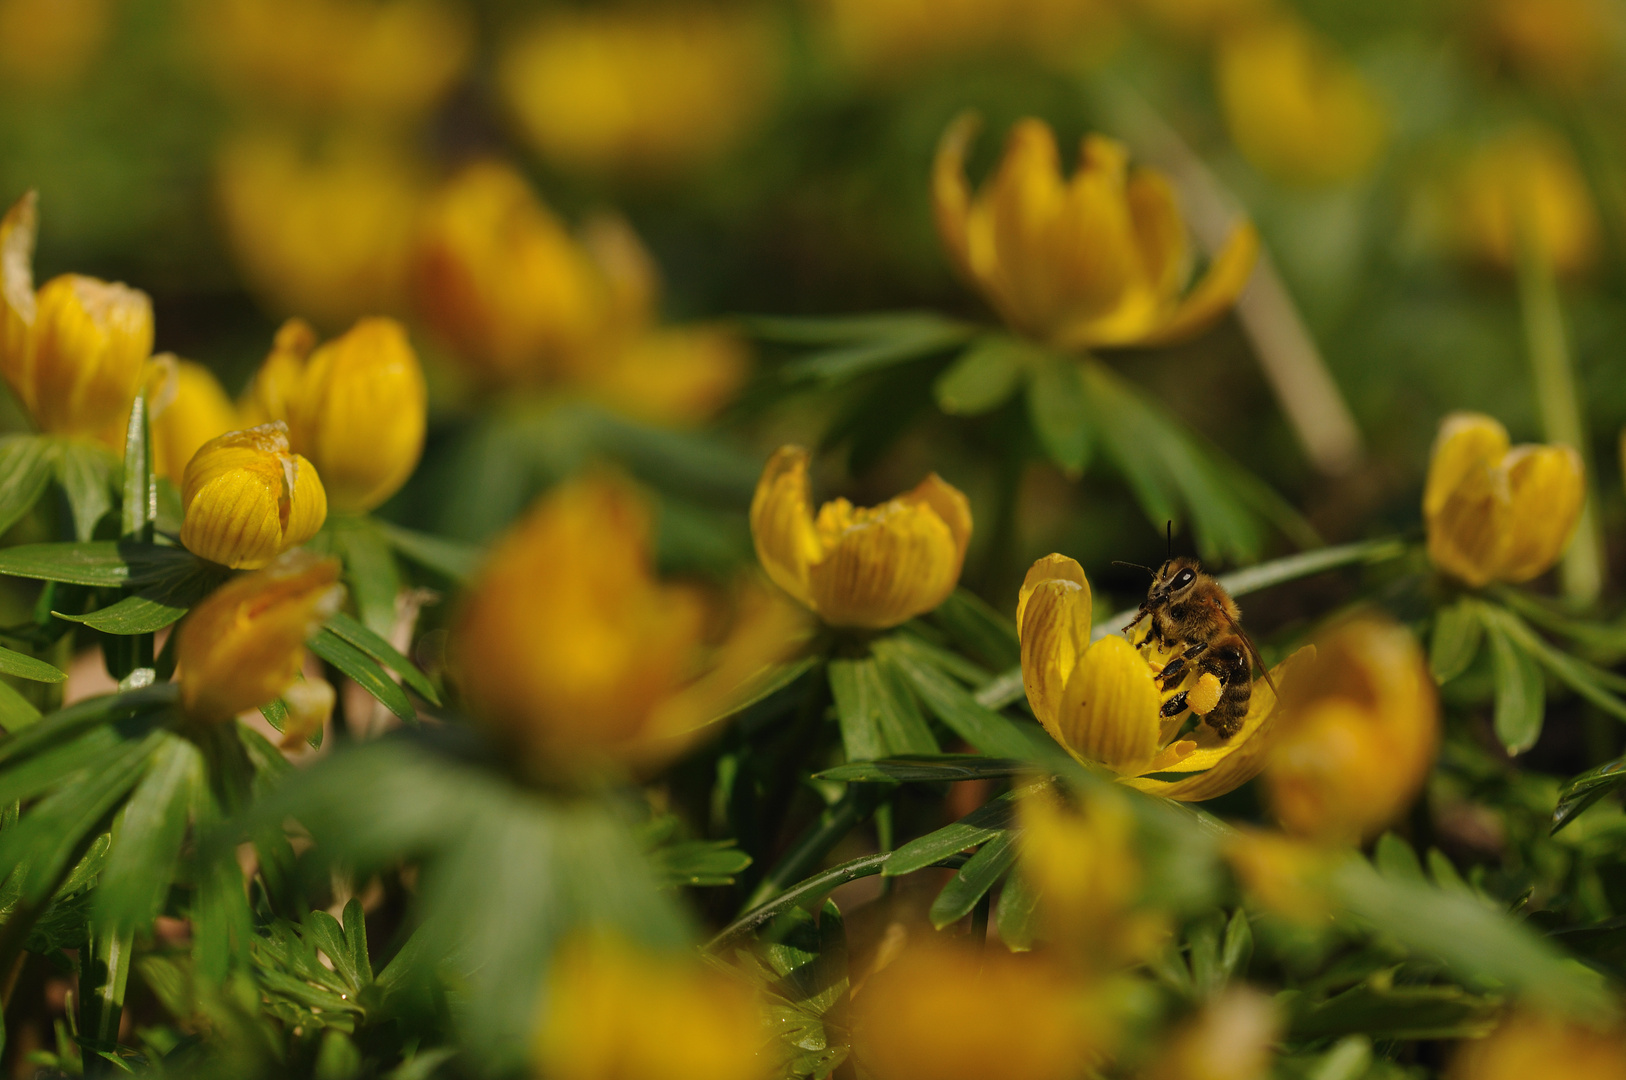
[[1160, 231], [1467, 443], [782, 522], [1054, 566], [1109, 710], [1228, 274], [1547, 487], [894, 562], [17, 301], [1055, 632]]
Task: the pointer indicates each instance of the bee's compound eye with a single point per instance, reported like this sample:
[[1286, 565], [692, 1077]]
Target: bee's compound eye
[[1184, 578]]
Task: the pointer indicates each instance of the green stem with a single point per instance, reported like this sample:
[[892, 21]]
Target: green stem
[[1562, 418], [837, 820], [103, 977]]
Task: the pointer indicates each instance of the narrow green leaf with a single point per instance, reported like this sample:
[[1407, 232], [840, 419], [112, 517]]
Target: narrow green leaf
[[975, 626], [1584, 790], [1396, 859], [158, 603], [768, 683], [1455, 642], [24, 666], [1015, 915], [355, 935], [385, 653], [451, 558], [984, 377], [101, 563], [978, 827], [365, 671], [839, 329], [926, 769], [25, 470], [974, 879], [832, 367], [369, 570], [138, 500], [147, 842], [1587, 680], [73, 721], [1237, 951], [16, 711], [698, 863], [325, 933], [1060, 412], [852, 685], [85, 471], [1521, 696], [983, 728]]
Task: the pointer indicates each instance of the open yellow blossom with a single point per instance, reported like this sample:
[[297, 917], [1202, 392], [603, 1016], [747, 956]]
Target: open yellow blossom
[[1101, 703], [944, 1012], [1297, 110], [574, 653], [614, 1011], [189, 407], [1495, 512], [244, 645], [73, 352], [1099, 259], [651, 89], [247, 498], [326, 235], [1533, 1046], [1526, 186], [1230, 1038], [1360, 734], [356, 407], [390, 59], [868, 567]]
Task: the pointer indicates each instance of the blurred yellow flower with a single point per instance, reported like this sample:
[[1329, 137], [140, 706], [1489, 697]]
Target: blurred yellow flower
[[1081, 861], [614, 1011], [73, 352], [1533, 1046], [1359, 736], [884, 38], [519, 300], [243, 646], [1496, 513], [1561, 43], [390, 59], [573, 651], [1297, 110], [189, 407], [328, 236], [247, 498], [1286, 876], [869, 567], [1230, 1038], [1526, 187], [1099, 259], [1201, 18], [944, 1012], [51, 43], [356, 407], [1102, 703], [638, 91]]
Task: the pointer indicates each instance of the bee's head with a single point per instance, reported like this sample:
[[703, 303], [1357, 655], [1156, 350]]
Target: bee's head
[[1174, 577]]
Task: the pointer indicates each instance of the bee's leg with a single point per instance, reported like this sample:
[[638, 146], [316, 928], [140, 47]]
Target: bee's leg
[[1175, 669], [1174, 706]]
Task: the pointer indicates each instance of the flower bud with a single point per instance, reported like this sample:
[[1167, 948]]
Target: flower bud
[[570, 650], [941, 1012], [276, 384], [243, 646], [870, 567], [1496, 513], [189, 407], [1526, 187], [358, 413], [1529, 1044], [615, 1011], [74, 352], [1100, 258], [247, 498], [1359, 735]]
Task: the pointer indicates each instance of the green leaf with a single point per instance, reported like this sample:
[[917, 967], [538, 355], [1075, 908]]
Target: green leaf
[[85, 471], [983, 728], [147, 842], [138, 503], [984, 377], [976, 627], [385, 653], [978, 827], [1060, 411], [1585, 679], [700, 863], [838, 329], [890, 340], [1397, 860], [1521, 695], [158, 603], [76, 719], [1237, 950], [1584, 790], [1400, 1012], [369, 568], [455, 560], [1455, 641], [355, 935], [25, 470], [926, 769], [878, 715], [16, 711], [364, 671], [24, 666], [974, 880], [100, 563], [1015, 915]]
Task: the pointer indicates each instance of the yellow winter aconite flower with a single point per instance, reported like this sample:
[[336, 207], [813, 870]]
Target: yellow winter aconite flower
[[941, 1012], [572, 651], [74, 351], [1101, 703], [393, 58], [50, 43], [243, 646], [247, 498], [189, 407], [1229, 1039], [656, 88], [1561, 43], [356, 407], [1296, 109], [614, 1011], [869, 567], [1359, 736], [1284, 875], [1102, 258], [328, 235], [1494, 512], [1526, 187], [1532, 1046]]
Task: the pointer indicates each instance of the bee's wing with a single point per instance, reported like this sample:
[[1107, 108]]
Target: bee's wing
[[1247, 642]]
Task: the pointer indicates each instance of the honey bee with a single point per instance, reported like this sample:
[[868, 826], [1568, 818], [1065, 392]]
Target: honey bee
[[1192, 613]]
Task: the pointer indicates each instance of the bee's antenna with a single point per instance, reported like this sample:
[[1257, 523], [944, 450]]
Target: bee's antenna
[[1169, 535], [1136, 565]]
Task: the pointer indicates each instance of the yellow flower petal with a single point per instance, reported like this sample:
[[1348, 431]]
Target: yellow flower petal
[[277, 382], [782, 522], [1053, 566], [951, 193], [1053, 623], [17, 301], [883, 566], [1109, 709], [1228, 274], [1548, 488], [247, 499], [187, 412], [1467, 443]]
